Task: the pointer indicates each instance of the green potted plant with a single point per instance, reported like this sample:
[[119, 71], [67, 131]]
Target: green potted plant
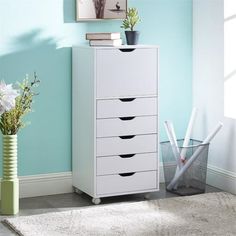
[[130, 22], [14, 105]]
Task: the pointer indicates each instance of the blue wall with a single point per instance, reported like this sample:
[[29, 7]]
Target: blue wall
[[37, 35]]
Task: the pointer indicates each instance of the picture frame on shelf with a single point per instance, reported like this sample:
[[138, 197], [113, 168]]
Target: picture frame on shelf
[[87, 10]]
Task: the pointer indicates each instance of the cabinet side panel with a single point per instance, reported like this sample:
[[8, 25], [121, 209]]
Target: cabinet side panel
[[83, 120]]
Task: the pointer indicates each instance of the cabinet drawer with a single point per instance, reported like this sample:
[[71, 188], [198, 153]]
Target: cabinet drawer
[[127, 107], [126, 145], [127, 183], [126, 126], [126, 72], [126, 163]]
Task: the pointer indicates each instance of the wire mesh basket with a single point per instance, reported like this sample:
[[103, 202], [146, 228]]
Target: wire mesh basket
[[193, 181]]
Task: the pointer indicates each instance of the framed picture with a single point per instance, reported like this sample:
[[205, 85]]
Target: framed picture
[[100, 9]]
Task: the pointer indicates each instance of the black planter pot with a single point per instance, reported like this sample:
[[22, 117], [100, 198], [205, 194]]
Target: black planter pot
[[132, 37]]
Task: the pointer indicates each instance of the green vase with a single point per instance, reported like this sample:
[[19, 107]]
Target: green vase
[[10, 181]]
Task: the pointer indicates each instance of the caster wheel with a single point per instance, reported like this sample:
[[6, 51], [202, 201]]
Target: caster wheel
[[96, 201], [147, 196], [78, 191]]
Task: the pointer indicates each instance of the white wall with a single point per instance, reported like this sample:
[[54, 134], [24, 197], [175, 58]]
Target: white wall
[[208, 91]]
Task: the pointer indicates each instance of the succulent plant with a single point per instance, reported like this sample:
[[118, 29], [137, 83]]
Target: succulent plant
[[131, 20]]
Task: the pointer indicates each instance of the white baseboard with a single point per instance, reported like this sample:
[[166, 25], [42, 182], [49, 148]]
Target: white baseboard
[[222, 179], [57, 183], [45, 184]]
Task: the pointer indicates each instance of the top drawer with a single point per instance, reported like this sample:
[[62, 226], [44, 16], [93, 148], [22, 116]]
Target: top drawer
[[126, 72]]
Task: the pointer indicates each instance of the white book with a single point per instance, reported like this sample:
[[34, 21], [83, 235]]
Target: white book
[[114, 35], [114, 42]]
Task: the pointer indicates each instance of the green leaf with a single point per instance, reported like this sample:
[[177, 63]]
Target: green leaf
[[12, 121], [131, 20]]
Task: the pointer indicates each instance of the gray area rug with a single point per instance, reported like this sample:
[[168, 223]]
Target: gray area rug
[[205, 214]]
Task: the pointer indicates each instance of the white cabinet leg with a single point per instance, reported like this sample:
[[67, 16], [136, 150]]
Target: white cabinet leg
[[96, 201], [147, 195], [78, 191]]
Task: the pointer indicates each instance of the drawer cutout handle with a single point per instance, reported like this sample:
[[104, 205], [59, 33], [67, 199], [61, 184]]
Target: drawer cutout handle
[[126, 49], [127, 99], [127, 118], [127, 155], [127, 136], [127, 174]]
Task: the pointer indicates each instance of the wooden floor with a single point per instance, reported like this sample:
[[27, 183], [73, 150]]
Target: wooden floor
[[69, 201]]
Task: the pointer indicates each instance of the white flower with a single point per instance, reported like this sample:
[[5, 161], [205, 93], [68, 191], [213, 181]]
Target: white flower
[[7, 97]]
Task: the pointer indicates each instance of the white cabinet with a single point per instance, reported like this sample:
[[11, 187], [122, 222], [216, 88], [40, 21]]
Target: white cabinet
[[115, 120]]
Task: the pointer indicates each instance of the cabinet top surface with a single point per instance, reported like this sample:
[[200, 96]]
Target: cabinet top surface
[[118, 47]]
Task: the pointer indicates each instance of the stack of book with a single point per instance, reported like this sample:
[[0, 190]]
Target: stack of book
[[104, 39]]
